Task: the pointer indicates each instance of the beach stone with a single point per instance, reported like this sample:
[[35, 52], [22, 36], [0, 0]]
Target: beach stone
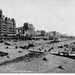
[[44, 59]]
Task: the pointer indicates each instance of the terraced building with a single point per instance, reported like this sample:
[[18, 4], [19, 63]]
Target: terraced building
[[7, 25]]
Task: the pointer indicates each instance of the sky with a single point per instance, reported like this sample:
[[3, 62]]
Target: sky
[[48, 15]]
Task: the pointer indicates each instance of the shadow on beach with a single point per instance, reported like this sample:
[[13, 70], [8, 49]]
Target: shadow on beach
[[26, 58]]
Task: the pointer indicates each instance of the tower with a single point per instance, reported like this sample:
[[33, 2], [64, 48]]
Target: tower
[[0, 13]]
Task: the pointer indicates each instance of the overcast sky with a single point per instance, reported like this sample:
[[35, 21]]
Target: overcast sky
[[49, 15]]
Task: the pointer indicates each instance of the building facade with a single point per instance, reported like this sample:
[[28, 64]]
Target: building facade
[[7, 25], [40, 33], [30, 31]]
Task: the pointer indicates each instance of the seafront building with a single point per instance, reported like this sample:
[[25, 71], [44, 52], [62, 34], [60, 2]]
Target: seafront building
[[7, 25], [30, 31]]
